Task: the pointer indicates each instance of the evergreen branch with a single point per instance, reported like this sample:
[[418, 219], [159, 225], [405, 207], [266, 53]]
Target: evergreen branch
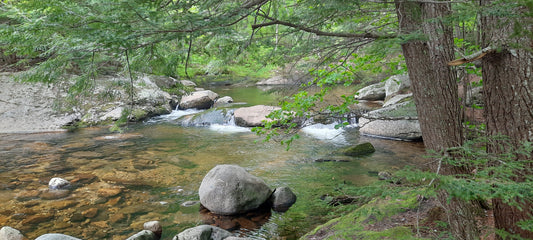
[[317, 32]]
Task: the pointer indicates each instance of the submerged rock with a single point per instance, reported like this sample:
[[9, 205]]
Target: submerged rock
[[189, 203], [282, 199], [230, 189], [359, 150]]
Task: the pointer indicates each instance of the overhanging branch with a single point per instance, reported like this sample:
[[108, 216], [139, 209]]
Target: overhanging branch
[[319, 32]]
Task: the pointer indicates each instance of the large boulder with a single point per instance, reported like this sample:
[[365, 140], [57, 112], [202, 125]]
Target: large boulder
[[230, 190], [396, 84], [399, 129], [203, 232], [199, 100], [399, 121], [148, 92], [253, 116], [372, 92]]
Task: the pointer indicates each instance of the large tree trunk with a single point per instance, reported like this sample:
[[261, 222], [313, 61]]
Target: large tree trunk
[[436, 97], [508, 89]]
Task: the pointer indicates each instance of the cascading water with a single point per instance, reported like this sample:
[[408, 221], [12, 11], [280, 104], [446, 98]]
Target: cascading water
[[222, 120]]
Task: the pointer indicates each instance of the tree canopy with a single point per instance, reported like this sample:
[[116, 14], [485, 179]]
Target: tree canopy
[[337, 39]]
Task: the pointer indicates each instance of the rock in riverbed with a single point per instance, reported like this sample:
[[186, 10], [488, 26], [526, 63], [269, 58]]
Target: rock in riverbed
[[9, 233], [282, 199], [203, 232], [58, 183], [230, 189]]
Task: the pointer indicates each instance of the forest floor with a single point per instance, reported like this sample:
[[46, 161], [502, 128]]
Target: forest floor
[[426, 219]]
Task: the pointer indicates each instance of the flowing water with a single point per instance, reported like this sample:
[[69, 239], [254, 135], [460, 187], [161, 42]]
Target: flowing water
[[153, 171]]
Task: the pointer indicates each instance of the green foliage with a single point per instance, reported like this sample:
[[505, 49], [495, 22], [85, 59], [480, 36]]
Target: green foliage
[[310, 100], [490, 175]]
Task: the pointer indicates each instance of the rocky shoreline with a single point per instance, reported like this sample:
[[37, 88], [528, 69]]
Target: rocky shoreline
[[40, 107]]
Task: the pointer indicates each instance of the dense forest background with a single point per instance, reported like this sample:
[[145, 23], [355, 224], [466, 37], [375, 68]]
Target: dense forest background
[[439, 44]]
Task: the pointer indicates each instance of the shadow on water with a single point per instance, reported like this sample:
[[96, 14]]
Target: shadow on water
[[245, 222]]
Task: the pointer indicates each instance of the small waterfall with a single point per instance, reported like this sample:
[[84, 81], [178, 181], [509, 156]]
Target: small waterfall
[[220, 120], [325, 132]]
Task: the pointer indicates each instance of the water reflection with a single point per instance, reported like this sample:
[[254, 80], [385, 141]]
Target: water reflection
[[246, 222]]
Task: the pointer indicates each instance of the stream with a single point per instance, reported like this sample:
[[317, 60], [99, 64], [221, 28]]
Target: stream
[[153, 170]]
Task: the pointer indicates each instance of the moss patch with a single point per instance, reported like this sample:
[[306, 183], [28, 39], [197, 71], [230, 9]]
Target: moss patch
[[355, 225], [359, 150], [408, 109]]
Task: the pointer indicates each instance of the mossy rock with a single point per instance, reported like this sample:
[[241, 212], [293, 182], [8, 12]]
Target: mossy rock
[[359, 150], [354, 225]]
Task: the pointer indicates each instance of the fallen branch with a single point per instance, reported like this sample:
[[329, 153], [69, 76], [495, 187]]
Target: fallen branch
[[470, 58]]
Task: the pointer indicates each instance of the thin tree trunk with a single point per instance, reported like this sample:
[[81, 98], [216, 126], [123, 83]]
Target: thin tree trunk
[[436, 96], [508, 89]]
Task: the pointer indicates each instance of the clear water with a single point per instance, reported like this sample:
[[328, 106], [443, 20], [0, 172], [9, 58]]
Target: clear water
[[120, 181]]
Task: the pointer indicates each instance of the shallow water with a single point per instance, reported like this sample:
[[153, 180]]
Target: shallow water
[[120, 181]]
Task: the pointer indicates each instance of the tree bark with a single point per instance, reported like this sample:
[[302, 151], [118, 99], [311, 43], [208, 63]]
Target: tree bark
[[436, 96], [508, 89]]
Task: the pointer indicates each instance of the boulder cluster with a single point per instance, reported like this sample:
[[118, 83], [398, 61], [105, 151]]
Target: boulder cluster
[[205, 99], [230, 190], [396, 116]]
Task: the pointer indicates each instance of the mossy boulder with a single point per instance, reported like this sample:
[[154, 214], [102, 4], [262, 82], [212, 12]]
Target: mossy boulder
[[359, 150]]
